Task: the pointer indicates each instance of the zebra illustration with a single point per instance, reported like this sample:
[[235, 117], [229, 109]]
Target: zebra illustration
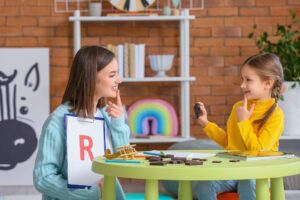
[[18, 138]]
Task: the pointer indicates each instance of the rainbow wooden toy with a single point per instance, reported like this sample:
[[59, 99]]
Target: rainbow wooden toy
[[153, 117]]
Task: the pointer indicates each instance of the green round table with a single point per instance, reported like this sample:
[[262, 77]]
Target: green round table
[[261, 170]]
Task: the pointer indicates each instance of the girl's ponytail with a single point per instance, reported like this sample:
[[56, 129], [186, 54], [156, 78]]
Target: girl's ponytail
[[277, 89]]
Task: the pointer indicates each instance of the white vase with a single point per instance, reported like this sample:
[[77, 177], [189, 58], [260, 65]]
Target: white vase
[[95, 8], [161, 63], [291, 108]]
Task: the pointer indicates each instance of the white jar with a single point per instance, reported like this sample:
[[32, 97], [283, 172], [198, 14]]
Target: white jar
[[95, 8]]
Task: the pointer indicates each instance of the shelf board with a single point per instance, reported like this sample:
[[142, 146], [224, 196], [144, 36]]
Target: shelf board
[[160, 140], [159, 79], [130, 18], [290, 137]]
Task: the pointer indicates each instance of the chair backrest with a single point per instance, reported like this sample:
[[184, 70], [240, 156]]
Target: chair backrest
[[200, 144]]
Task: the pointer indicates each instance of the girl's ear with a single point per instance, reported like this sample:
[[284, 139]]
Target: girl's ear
[[269, 84]]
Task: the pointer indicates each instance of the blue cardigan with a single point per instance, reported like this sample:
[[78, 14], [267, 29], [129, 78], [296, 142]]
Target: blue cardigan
[[50, 170]]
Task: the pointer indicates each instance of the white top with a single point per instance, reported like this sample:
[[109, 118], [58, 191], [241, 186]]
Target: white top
[[108, 142]]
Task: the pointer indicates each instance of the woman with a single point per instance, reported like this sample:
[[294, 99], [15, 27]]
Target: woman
[[93, 77]]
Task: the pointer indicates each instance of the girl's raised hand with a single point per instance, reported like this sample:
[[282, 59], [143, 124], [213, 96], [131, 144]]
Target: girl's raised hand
[[242, 112], [202, 120], [115, 110]]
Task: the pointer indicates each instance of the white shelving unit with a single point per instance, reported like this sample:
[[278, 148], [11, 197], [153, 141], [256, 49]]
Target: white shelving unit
[[184, 78]]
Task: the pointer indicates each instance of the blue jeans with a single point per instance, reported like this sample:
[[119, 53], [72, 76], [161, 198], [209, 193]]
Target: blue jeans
[[208, 190]]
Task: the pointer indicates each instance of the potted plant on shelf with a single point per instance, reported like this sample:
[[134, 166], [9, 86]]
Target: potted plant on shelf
[[286, 46]]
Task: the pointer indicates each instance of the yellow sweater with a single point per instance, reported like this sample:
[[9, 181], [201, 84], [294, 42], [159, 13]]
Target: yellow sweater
[[245, 135]]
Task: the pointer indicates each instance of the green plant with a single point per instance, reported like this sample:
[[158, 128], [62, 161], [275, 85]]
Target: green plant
[[286, 47]]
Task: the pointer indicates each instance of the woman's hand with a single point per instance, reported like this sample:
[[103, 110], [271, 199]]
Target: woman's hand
[[242, 112], [115, 110], [202, 120]]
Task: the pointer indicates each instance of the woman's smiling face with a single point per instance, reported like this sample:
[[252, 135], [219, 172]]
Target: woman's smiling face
[[107, 81]]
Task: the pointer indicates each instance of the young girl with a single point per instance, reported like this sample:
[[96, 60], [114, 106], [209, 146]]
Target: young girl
[[254, 124], [93, 77]]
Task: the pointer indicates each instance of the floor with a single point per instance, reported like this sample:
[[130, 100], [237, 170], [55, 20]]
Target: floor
[[29, 193], [136, 186], [129, 186], [290, 195]]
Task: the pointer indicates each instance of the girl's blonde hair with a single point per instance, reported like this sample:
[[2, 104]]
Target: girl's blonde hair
[[268, 67]]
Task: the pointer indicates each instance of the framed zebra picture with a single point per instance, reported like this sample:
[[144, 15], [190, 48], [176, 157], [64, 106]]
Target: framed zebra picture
[[24, 106]]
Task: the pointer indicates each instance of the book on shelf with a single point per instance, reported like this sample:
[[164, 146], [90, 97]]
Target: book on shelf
[[141, 61], [120, 59], [131, 59], [255, 155], [126, 60]]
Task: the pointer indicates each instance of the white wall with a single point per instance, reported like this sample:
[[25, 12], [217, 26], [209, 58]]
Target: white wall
[[19, 193], [21, 197]]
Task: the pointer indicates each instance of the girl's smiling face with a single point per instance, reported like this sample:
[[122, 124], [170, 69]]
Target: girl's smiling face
[[253, 86], [107, 81]]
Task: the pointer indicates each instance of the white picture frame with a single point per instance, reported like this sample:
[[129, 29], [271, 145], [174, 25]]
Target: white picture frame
[[24, 106]]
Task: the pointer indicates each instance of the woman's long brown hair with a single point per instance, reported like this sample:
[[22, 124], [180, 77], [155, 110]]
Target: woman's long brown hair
[[268, 67], [80, 88]]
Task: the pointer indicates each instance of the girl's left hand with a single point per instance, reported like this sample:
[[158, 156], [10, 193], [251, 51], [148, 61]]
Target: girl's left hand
[[242, 112], [115, 110]]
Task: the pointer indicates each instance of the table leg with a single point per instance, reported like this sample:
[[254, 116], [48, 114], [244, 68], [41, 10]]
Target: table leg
[[109, 188], [185, 190], [151, 191], [277, 189], [262, 189]]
